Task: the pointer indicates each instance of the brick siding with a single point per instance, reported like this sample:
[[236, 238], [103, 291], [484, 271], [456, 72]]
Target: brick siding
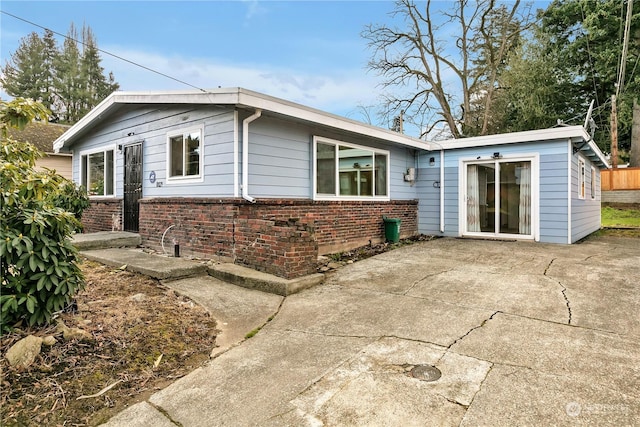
[[102, 215], [280, 237]]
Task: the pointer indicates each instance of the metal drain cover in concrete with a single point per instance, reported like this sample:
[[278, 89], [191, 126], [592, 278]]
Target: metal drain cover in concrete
[[426, 373]]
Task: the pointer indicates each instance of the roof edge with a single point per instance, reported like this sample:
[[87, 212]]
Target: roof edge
[[240, 97]]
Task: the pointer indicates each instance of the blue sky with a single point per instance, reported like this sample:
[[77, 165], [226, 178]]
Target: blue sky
[[309, 52]]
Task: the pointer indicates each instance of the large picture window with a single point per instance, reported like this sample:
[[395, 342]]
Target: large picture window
[[346, 170], [185, 154], [97, 171]]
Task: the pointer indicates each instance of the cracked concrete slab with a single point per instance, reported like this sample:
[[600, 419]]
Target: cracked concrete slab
[[335, 310], [492, 316], [254, 382], [526, 295], [520, 396], [376, 388], [237, 310], [140, 415], [387, 274], [602, 357]]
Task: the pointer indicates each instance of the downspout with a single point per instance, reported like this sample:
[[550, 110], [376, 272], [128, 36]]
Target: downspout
[[442, 190], [245, 155]]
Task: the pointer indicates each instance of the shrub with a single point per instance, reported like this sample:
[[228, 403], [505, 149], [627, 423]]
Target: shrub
[[39, 210]]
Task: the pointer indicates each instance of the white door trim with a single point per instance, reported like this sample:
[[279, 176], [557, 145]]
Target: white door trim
[[534, 158]]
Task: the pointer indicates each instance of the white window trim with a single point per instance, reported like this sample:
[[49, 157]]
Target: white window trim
[[534, 158], [94, 151], [594, 189], [582, 177], [316, 196], [188, 178]]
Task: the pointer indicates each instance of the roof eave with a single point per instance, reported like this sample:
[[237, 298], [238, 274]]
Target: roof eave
[[242, 98]]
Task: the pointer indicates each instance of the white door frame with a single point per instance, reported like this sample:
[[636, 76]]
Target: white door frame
[[463, 162]]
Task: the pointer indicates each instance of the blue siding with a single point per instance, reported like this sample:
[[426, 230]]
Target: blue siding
[[281, 158], [152, 124], [429, 194], [585, 213], [280, 152], [552, 189]]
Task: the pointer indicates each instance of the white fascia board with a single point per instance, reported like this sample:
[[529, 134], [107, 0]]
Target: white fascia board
[[258, 100], [566, 132], [239, 97]]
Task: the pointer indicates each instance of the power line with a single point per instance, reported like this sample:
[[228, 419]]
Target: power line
[[104, 51], [625, 47]]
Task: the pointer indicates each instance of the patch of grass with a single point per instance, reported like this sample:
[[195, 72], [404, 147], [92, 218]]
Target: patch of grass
[[612, 217], [252, 333]]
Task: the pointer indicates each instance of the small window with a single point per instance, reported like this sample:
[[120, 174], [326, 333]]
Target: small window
[[185, 154], [345, 170], [593, 183], [581, 179], [97, 173]]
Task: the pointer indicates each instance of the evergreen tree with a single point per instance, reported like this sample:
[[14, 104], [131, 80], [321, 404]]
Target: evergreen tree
[[68, 83], [28, 74], [50, 53], [96, 87], [68, 80], [587, 35]]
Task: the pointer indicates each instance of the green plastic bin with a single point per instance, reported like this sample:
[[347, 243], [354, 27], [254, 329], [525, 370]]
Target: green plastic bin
[[392, 229]]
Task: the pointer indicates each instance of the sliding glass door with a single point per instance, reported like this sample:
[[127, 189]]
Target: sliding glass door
[[498, 198]]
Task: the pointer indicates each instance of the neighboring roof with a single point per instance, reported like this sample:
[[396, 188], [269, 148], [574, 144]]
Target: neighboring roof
[[238, 97], [578, 136], [40, 134]]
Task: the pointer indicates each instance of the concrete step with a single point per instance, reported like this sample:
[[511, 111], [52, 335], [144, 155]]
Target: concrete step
[[252, 279], [156, 266], [105, 240]]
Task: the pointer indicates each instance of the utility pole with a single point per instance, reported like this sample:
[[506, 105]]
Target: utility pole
[[614, 133], [634, 160]]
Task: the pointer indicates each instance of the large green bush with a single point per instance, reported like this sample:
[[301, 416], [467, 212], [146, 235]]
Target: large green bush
[[39, 211]]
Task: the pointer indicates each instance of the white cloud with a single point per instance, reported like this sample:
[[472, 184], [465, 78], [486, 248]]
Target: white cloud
[[253, 8], [337, 91]]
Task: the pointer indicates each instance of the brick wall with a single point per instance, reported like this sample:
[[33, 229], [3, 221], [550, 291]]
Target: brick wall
[[103, 215], [202, 227], [281, 237], [267, 240], [342, 226]]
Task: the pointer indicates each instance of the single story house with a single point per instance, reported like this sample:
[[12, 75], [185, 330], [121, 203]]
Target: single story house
[[42, 135], [245, 177]]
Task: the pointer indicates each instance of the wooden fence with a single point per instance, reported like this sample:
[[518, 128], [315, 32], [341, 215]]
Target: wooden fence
[[620, 179]]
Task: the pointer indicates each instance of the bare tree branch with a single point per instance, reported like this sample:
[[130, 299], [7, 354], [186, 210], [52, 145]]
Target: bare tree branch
[[432, 74]]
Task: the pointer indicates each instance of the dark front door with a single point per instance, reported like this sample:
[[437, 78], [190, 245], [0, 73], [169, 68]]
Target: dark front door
[[132, 185]]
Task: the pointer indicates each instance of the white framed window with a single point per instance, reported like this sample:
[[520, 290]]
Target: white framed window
[[581, 179], [347, 171], [97, 172], [184, 154], [593, 183]]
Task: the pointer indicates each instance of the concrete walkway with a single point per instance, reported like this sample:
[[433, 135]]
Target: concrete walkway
[[521, 334]]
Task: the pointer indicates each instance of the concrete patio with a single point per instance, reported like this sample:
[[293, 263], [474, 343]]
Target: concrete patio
[[522, 334]]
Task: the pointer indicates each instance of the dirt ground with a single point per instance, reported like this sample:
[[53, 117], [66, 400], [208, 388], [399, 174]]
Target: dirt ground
[[144, 336]]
